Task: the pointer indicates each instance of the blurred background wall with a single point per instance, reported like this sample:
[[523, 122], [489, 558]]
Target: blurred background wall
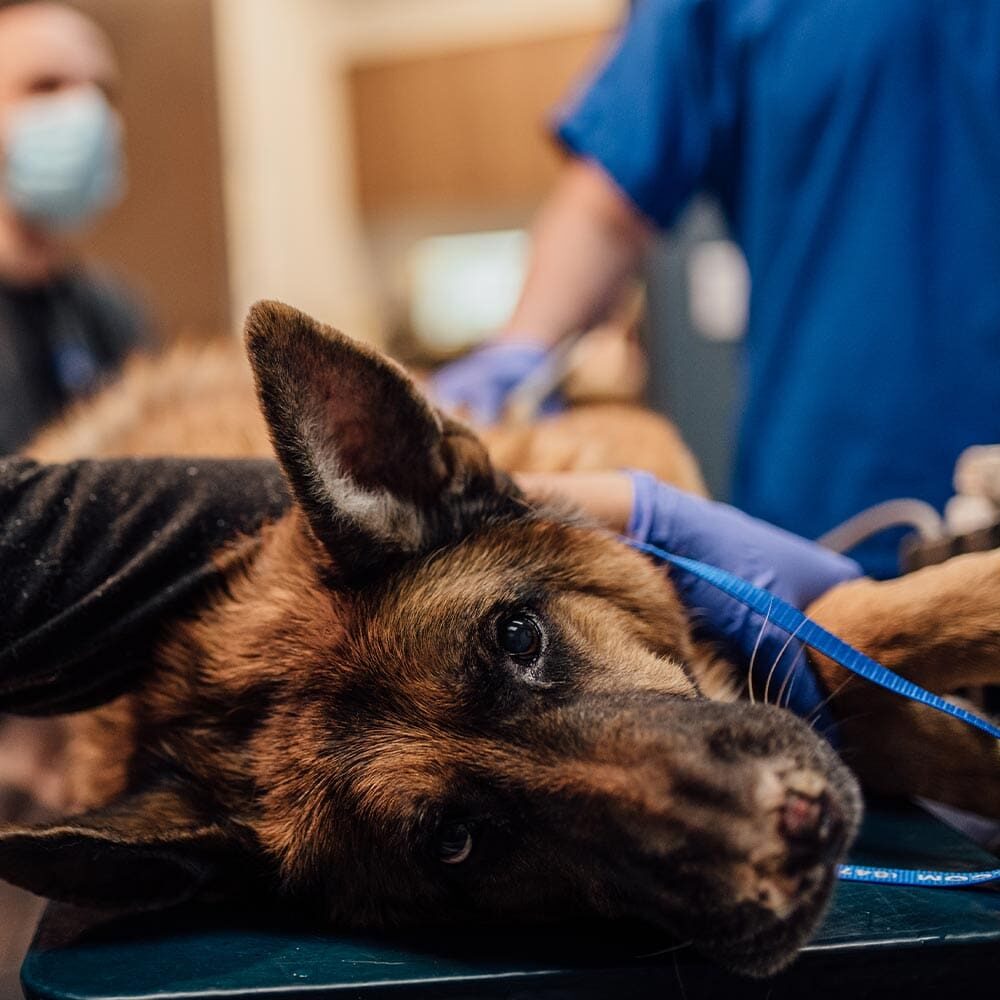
[[377, 162], [169, 235], [354, 127], [299, 148]]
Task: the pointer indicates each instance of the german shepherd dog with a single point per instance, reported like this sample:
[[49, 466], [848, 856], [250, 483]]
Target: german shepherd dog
[[420, 698]]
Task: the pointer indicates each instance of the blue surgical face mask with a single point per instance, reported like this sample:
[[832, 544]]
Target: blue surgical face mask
[[62, 158]]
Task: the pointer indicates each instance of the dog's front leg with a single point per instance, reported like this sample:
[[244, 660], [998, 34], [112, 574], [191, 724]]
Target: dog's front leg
[[939, 627]]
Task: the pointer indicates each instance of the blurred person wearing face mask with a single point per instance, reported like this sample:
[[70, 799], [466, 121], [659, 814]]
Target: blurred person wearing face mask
[[62, 327]]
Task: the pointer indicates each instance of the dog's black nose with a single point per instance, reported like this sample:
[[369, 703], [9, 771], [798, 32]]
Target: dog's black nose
[[813, 828]]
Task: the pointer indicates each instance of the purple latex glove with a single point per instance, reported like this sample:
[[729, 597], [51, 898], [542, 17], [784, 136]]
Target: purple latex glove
[[481, 381], [791, 567]]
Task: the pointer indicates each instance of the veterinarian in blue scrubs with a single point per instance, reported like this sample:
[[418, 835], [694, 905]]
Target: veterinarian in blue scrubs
[[855, 148]]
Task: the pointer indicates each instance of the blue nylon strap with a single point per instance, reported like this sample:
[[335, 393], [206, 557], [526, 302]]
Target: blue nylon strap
[[808, 632], [915, 876]]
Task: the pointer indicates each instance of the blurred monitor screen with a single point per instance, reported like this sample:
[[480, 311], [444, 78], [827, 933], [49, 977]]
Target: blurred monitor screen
[[465, 287]]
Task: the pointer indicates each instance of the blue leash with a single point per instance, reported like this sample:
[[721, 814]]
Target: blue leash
[[789, 619]]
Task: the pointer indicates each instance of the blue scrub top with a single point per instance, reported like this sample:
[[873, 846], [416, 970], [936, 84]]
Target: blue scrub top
[[855, 147]]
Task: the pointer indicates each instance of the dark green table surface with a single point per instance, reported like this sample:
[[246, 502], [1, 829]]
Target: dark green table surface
[[876, 941]]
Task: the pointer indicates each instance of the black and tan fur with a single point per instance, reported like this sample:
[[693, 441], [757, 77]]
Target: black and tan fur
[[342, 717]]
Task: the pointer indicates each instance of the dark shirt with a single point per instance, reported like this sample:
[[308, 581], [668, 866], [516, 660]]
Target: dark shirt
[[95, 555], [59, 341]]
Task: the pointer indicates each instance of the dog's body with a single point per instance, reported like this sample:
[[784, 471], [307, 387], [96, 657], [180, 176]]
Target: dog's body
[[419, 699]]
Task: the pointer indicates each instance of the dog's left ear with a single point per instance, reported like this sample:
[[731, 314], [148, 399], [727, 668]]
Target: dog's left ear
[[145, 850], [380, 473]]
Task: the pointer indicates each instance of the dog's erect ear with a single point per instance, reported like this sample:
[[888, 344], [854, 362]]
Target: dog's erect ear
[[144, 850], [375, 467]]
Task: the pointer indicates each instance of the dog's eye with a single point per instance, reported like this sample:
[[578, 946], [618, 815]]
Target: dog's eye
[[518, 635], [454, 843]]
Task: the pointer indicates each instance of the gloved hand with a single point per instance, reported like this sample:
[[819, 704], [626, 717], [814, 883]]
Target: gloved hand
[[480, 382], [796, 570]]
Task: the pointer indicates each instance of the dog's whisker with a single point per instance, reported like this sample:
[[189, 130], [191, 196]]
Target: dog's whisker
[[767, 682], [794, 675], [786, 684], [666, 951], [777, 660], [680, 983], [839, 722], [833, 694], [753, 655]]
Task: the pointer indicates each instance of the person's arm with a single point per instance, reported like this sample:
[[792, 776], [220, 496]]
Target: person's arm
[[605, 496], [642, 136], [587, 243], [95, 555]]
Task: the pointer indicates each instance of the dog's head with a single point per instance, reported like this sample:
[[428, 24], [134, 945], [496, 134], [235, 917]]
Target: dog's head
[[423, 700]]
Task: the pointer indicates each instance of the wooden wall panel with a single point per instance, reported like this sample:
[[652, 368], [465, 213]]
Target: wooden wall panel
[[462, 129], [169, 234]]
